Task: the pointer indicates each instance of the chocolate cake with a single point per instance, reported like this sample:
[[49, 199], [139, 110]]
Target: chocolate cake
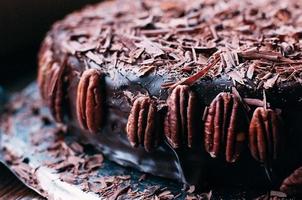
[[202, 92]]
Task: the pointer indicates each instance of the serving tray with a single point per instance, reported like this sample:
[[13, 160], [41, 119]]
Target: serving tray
[[56, 164]]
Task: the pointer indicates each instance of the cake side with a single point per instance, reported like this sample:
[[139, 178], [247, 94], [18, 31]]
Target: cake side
[[200, 80]]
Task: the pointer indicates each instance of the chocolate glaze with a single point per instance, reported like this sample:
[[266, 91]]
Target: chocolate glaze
[[123, 83], [185, 165]]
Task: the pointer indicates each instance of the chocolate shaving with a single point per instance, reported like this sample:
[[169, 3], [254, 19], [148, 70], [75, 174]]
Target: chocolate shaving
[[265, 55], [94, 162], [236, 77], [145, 70], [127, 42], [250, 71], [151, 48], [194, 78], [119, 192], [96, 58], [271, 82]]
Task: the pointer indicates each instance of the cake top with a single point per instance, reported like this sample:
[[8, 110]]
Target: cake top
[[253, 43]]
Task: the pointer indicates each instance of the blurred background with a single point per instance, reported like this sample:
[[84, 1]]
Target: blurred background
[[23, 24]]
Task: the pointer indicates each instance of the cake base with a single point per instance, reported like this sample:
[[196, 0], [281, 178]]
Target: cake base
[[60, 165]]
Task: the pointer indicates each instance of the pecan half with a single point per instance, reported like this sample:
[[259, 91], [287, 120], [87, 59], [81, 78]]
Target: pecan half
[[264, 134], [141, 126], [225, 127], [52, 81], [45, 65], [90, 100], [293, 184], [181, 122], [53, 89]]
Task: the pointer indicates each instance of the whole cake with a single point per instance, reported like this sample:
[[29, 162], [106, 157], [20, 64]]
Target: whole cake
[[203, 92]]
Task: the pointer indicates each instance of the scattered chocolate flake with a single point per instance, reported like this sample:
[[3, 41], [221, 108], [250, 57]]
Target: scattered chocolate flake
[[265, 55], [204, 196], [127, 42], [119, 192], [254, 102], [74, 46], [145, 70], [96, 58], [236, 77], [68, 178], [250, 71], [151, 191], [85, 186], [135, 54], [191, 189], [151, 48], [274, 195], [94, 162], [166, 194], [142, 178], [271, 82], [77, 148], [194, 78]]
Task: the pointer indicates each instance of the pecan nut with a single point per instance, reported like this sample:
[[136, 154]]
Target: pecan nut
[[181, 125], [53, 88], [52, 81], [45, 63], [225, 127], [90, 100], [264, 134], [293, 184], [141, 126]]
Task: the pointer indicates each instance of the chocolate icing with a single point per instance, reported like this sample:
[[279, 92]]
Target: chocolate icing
[[141, 54], [185, 165]]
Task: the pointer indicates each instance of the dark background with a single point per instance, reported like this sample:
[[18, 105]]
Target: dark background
[[23, 24]]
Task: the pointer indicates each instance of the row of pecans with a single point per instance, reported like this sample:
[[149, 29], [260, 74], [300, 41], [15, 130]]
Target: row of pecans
[[225, 124], [226, 127], [51, 81]]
